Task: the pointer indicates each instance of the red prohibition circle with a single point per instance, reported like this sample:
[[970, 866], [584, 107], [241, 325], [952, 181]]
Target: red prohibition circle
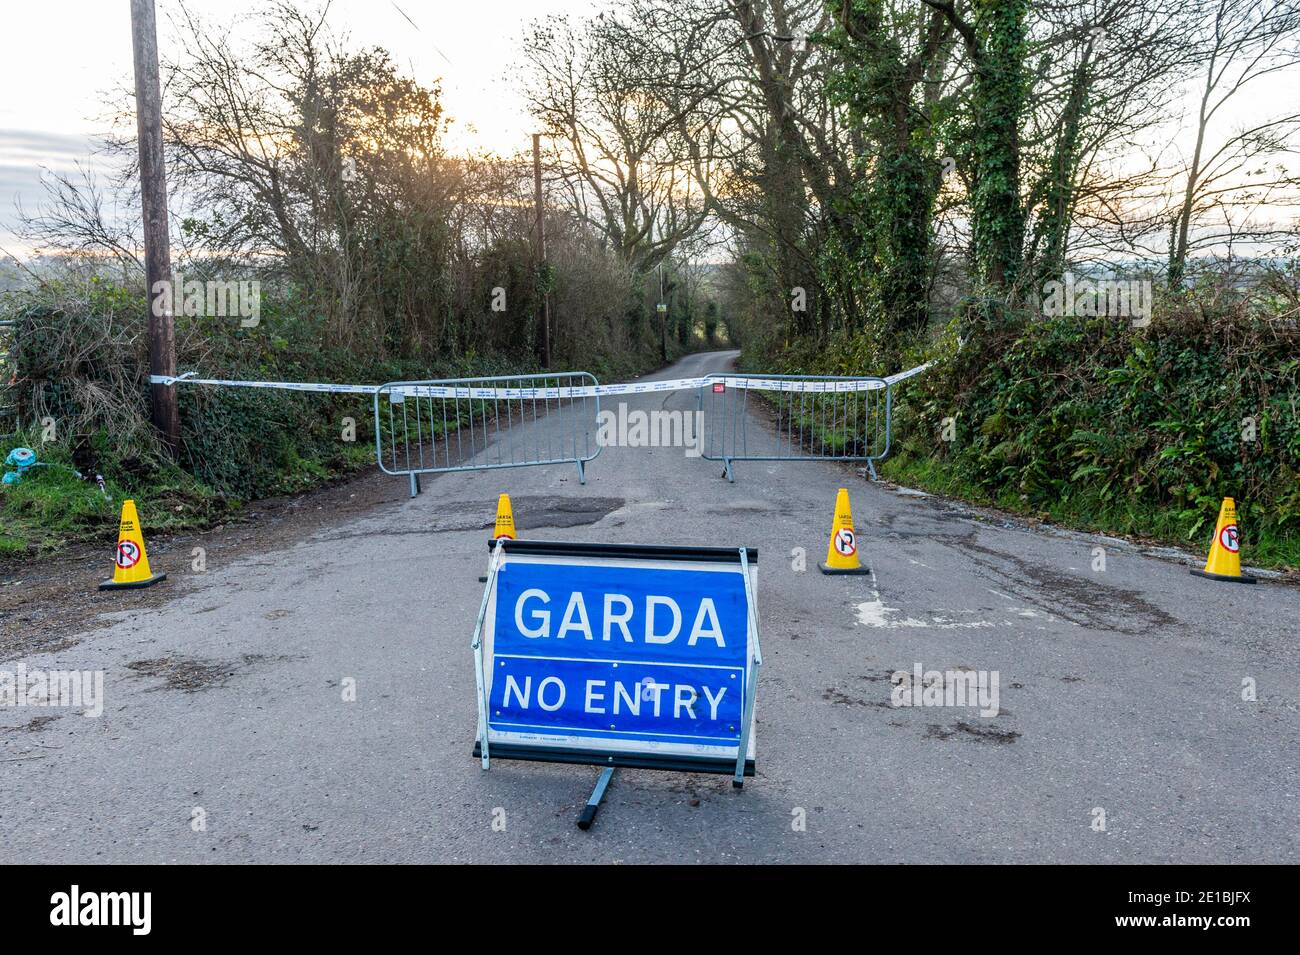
[[128, 554]]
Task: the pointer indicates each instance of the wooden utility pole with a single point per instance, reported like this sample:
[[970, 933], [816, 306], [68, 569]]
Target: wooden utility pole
[[542, 270], [153, 199]]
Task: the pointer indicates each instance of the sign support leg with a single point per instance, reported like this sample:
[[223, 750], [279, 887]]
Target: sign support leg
[[593, 802], [747, 714], [480, 678], [751, 675]]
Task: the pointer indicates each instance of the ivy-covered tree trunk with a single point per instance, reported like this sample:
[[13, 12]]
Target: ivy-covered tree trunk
[[786, 211], [903, 195], [784, 183], [1054, 197], [878, 82], [998, 97]]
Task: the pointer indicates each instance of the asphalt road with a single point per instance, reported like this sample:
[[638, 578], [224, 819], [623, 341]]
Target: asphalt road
[[226, 737]]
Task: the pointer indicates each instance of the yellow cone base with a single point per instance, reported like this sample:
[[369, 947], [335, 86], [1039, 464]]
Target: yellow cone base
[[1240, 579], [133, 584], [846, 571]]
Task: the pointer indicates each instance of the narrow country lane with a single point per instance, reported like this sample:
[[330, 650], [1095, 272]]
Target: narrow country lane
[[1120, 693]]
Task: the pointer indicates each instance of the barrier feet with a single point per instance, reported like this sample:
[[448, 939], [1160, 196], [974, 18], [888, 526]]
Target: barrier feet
[[593, 803], [415, 484]]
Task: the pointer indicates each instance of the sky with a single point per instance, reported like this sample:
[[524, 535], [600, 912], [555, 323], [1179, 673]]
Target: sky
[[61, 59]]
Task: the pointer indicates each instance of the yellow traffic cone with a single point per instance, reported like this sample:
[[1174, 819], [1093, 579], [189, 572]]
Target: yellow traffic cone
[[1224, 562], [842, 554], [131, 564], [505, 526]]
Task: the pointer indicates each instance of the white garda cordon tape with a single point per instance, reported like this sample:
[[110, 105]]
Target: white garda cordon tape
[[398, 393], [187, 379], [904, 375]]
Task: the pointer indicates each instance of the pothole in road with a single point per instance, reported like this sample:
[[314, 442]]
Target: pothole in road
[[981, 734], [37, 723], [752, 507], [840, 698], [530, 512], [925, 524], [191, 674], [1081, 601]]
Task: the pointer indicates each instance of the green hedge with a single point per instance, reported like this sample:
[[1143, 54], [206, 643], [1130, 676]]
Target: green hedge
[[1096, 424]]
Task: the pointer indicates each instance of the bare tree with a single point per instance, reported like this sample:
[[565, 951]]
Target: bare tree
[[1227, 179], [79, 217], [301, 154], [614, 138], [1108, 74]]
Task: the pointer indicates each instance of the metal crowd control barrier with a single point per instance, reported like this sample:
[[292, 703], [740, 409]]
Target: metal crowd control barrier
[[816, 418], [474, 424]]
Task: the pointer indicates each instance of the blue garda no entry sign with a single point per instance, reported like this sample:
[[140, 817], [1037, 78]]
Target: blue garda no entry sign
[[619, 655]]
